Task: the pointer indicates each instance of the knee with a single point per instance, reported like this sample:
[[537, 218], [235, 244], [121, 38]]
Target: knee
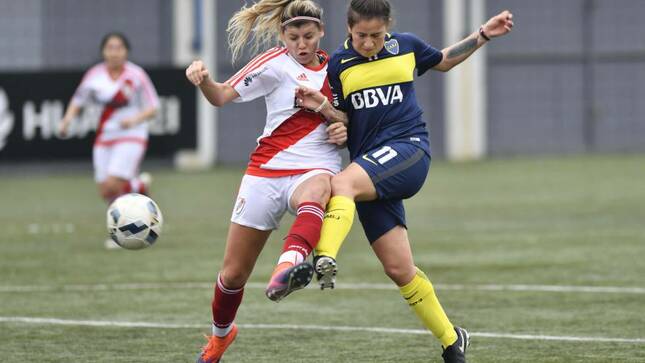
[[109, 190], [342, 185], [233, 278], [400, 274], [320, 193]]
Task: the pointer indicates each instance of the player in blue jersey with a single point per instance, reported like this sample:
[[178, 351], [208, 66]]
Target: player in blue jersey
[[371, 76]]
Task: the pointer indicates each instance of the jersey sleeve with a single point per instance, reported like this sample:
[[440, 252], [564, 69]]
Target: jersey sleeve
[[425, 55], [256, 83], [83, 91], [148, 92], [338, 99]]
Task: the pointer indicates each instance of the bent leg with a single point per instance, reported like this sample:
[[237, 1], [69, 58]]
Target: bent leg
[[394, 252], [351, 184], [307, 197]]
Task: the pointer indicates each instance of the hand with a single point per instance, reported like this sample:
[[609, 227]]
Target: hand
[[498, 25], [63, 128], [309, 98], [197, 73], [127, 123], [337, 133]]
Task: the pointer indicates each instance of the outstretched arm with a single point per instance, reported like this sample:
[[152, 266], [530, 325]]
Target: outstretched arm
[[497, 26], [71, 113], [218, 94]]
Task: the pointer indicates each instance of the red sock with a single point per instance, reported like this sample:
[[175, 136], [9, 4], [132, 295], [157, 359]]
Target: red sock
[[305, 231], [225, 304], [134, 185]]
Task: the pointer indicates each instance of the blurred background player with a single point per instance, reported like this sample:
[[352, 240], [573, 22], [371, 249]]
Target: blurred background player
[[371, 75], [292, 165], [129, 99]]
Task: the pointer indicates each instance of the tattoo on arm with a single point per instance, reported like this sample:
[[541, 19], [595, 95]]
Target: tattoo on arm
[[466, 46]]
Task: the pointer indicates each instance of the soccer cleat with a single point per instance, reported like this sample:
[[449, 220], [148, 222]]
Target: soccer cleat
[[216, 346], [456, 353], [326, 269], [288, 279]]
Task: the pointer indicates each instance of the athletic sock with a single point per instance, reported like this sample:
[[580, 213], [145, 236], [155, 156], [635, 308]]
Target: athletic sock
[[336, 225], [304, 233], [224, 306], [421, 297], [134, 185]]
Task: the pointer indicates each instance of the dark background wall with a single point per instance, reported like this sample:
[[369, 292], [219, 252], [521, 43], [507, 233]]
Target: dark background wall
[[569, 79]]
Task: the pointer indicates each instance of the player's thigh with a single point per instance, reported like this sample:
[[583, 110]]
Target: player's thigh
[[125, 159], [313, 186], [100, 161], [261, 202], [243, 246], [354, 182], [397, 170], [394, 252]]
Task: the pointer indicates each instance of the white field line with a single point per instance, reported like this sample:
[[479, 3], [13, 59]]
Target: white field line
[[132, 324], [341, 286]]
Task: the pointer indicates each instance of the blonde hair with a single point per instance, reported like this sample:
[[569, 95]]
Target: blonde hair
[[262, 22]]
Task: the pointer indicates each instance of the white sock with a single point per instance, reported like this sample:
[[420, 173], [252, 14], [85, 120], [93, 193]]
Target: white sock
[[293, 257], [221, 332]]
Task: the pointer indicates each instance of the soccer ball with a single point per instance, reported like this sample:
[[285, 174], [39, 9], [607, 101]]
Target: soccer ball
[[134, 221]]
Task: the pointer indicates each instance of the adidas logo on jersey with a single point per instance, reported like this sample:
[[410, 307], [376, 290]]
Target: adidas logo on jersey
[[372, 97], [302, 77]]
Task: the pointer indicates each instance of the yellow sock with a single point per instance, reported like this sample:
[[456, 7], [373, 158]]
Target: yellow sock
[[420, 295], [336, 225]]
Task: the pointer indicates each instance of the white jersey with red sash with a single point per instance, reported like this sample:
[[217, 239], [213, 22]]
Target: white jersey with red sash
[[294, 140], [124, 97]]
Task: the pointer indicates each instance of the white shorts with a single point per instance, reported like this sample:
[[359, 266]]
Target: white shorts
[[120, 160], [261, 202]]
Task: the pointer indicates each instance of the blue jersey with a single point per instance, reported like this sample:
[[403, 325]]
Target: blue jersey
[[377, 93]]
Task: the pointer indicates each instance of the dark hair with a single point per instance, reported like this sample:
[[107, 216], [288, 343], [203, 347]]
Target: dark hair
[[121, 37], [368, 9]]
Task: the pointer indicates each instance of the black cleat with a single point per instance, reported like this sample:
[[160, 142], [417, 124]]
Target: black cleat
[[326, 269], [456, 353]]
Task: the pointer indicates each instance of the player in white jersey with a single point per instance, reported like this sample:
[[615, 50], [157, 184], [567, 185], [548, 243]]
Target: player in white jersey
[[291, 167], [129, 99]]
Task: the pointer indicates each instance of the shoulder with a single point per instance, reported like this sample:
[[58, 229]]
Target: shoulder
[[94, 71], [405, 38], [342, 52], [271, 56], [270, 59], [135, 69]]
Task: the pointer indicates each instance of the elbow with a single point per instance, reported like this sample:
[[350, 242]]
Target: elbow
[[216, 103], [444, 67]]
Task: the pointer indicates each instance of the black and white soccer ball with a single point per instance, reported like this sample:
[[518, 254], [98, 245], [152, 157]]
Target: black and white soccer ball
[[134, 221]]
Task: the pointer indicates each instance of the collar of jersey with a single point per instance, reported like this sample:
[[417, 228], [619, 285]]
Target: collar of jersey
[[350, 47], [319, 53]]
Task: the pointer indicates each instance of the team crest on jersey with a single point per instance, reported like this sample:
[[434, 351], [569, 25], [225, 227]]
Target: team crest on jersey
[[392, 46], [239, 206]]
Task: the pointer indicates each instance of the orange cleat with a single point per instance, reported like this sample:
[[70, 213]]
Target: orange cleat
[[214, 350]]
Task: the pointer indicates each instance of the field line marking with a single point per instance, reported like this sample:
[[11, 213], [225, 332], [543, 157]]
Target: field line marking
[[132, 324], [340, 286]]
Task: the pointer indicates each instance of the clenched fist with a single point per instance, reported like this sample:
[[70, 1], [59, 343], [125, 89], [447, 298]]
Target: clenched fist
[[197, 72]]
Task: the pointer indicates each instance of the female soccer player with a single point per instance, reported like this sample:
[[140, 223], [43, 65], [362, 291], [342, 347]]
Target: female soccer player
[[371, 77], [292, 165], [129, 99]]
